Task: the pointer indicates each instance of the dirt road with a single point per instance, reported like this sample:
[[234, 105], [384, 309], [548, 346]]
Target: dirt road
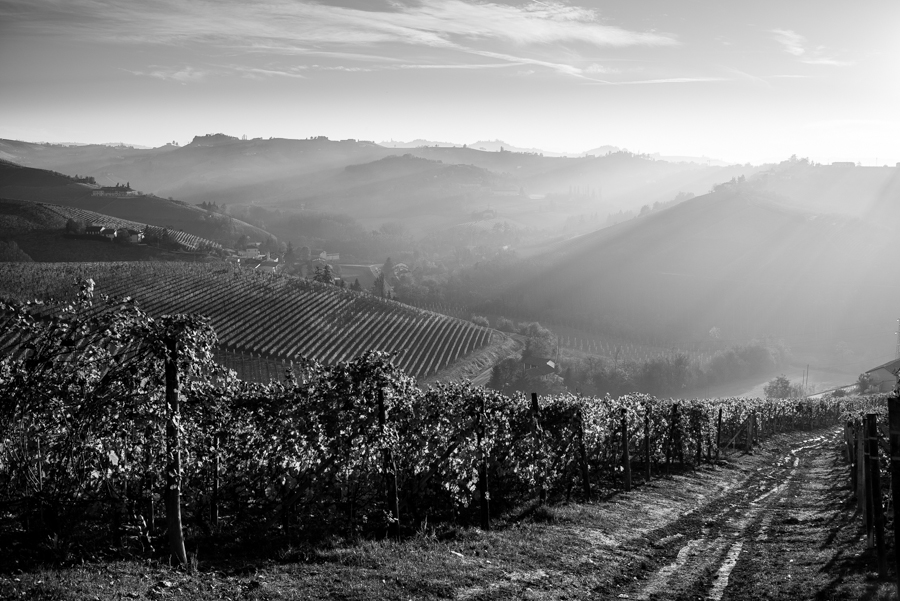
[[784, 531]]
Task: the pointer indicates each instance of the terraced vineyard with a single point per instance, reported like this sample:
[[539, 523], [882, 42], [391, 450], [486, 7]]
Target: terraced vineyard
[[188, 241], [265, 321]]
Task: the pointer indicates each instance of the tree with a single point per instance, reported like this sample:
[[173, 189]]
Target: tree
[[324, 274], [779, 388], [74, 227], [379, 288], [355, 286], [864, 383], [304, 254], [388, 270], [11, 253]]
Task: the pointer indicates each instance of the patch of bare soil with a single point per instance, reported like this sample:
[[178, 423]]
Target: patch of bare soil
[[788, 531]]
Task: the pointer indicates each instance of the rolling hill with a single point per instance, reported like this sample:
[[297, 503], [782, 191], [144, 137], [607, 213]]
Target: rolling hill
[[27, 183], [312, 172], [734, 260], [38, 229], [871, 193], [265, 320]]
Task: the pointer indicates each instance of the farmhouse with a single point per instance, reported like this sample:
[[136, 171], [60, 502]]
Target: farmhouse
[[534, 365], [325, 255], [885, 376], [100, 230], [115, 191], [270, 266], [133, 236]]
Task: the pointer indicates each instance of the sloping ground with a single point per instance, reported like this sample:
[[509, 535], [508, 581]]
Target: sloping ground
[[37, 231], [184, 239], [868, 192], [744, 264], [277, 317], [18, 216], [39, 185]]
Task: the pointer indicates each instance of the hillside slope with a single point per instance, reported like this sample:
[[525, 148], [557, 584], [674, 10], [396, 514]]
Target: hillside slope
[[871, 193], [278, 318], [734, 261], [27, 183], [39, 230]]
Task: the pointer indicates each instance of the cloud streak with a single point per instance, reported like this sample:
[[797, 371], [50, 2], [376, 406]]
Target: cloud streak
[[182, 75], [795, 45], [435, 23], [531, 34]]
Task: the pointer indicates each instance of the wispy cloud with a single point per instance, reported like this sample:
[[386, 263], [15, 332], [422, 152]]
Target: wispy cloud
[[791, 40], [533, 33], [183, 75], [661, 80], [795, 45]]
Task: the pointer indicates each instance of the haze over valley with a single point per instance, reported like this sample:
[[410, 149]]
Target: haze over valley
[[449, 299]]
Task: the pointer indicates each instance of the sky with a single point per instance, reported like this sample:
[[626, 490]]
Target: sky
[[735, 80]]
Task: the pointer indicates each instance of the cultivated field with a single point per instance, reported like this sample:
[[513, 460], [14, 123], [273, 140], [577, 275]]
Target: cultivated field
[[279, 318]]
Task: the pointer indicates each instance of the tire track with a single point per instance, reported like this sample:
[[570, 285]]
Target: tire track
[[716, 534]]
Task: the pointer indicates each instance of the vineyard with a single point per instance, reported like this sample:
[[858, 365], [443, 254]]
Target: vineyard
[[183, 239], [621, 351], [584, 341], [263, 321], [89, 418]]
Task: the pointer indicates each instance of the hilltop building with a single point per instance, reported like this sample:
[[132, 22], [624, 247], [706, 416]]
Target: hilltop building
[[116, 191]]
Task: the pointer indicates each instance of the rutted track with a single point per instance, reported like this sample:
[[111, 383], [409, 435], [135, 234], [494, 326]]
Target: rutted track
[[706, 547]]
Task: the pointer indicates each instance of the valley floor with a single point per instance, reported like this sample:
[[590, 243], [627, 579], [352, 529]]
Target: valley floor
[[777, 524]]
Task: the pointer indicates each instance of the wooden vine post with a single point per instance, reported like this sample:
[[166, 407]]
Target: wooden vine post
[[626, 456], [674, 437], [173, 453], [894, 429], [538, 431], [390, 471], [860, 469], [214, 483], [582, 456], [867, 483], [749, 439], [719, 434], [647, 473], [483, 490], [698, 435], [875, 487], [851, 455]]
